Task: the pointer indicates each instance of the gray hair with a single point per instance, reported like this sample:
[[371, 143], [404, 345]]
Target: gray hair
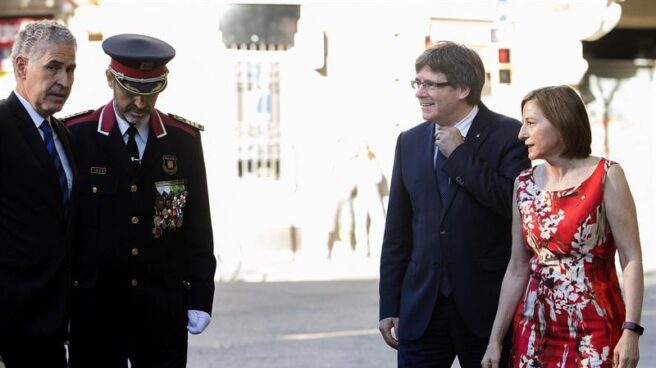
[[30, 37]]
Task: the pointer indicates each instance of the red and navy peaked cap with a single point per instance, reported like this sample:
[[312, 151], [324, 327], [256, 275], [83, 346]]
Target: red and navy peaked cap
[[139, 62]]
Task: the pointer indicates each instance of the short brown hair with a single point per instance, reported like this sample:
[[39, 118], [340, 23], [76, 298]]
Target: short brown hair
[[564, 109], [460, 65]]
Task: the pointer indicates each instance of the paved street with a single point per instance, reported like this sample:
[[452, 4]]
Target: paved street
[[318, 324], [315, 324], [293, 324]]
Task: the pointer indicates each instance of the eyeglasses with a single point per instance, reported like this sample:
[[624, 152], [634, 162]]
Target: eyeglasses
[[429, 85]]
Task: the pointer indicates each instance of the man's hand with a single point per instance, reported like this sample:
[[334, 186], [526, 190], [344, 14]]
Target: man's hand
[[198, 321], [388, 328], [448, 139]]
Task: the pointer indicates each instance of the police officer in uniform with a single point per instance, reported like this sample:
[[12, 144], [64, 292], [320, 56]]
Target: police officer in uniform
[[144, 267]]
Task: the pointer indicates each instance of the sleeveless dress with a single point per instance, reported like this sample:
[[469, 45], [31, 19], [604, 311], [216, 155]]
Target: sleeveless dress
[[572, 311]]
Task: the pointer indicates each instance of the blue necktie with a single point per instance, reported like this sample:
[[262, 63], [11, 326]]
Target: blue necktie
[[443, 187], [52, 151], [442, 177]]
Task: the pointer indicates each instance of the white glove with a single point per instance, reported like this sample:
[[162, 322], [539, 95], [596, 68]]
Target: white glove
[[198, 321]]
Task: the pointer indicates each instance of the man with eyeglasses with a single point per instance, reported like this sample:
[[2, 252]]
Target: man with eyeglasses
[[448, 231]]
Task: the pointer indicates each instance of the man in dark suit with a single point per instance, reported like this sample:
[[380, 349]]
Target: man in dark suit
[[37, 177], [447, 233], [144, 266]]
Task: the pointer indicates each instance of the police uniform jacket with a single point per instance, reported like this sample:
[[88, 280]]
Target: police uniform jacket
[[35, 233], [122, 240]]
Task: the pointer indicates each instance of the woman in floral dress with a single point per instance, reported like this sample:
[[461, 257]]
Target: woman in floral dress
[[573, 213]]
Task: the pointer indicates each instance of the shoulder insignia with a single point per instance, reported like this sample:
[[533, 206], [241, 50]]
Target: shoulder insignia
[[64, 119], [187, 122]]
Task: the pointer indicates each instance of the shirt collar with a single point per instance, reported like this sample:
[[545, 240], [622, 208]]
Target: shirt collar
[[464, 124], [36, 118], [142, 127]]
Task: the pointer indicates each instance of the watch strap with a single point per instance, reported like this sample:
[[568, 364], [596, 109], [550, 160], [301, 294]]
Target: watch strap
[[633, 327]]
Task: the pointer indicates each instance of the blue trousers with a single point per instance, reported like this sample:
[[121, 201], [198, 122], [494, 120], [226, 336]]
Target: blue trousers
[[446, 337]]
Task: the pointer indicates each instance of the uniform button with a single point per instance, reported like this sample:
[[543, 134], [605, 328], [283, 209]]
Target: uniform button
[[135, 220], [135, 251], [94, 190], [134, 188], [76, 283], [460, 180], [134, 282], [442, 232]]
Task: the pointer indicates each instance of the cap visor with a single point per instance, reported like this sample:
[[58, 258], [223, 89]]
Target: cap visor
[[142, 88]]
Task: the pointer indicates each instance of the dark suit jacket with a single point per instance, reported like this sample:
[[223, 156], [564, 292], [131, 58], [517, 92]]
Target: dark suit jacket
[[34, 234], [469, 236], [115, 244]]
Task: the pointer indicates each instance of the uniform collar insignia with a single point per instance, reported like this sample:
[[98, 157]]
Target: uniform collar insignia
[[157, 125], [107, 119]]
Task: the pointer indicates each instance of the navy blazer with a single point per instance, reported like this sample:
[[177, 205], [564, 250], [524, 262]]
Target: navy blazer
[[470, 234], [35, 235]]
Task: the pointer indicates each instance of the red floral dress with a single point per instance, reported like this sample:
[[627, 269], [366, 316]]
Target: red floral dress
[[572, 310]]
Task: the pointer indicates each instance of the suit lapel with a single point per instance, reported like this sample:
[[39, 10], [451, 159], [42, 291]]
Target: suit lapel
[[32, 136], [453, 189], [64, 139], [479, 129], [427, 165], [35, 142], [477, 133]]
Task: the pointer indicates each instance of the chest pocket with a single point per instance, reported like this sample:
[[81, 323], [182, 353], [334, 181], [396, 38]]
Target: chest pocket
[[94, 190]]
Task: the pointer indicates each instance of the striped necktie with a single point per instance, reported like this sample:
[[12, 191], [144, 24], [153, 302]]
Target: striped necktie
[[52, 151]]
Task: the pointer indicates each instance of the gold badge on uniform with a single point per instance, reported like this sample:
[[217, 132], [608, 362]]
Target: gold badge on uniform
[[170, 164]]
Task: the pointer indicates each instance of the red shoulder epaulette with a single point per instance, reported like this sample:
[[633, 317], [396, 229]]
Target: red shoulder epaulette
[[80, 117], [182, 123]]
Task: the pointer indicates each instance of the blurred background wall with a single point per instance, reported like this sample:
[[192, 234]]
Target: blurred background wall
[[302, 101]]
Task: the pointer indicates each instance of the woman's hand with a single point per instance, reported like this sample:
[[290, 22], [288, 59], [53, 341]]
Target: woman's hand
[[626, 354], [492, 356]]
